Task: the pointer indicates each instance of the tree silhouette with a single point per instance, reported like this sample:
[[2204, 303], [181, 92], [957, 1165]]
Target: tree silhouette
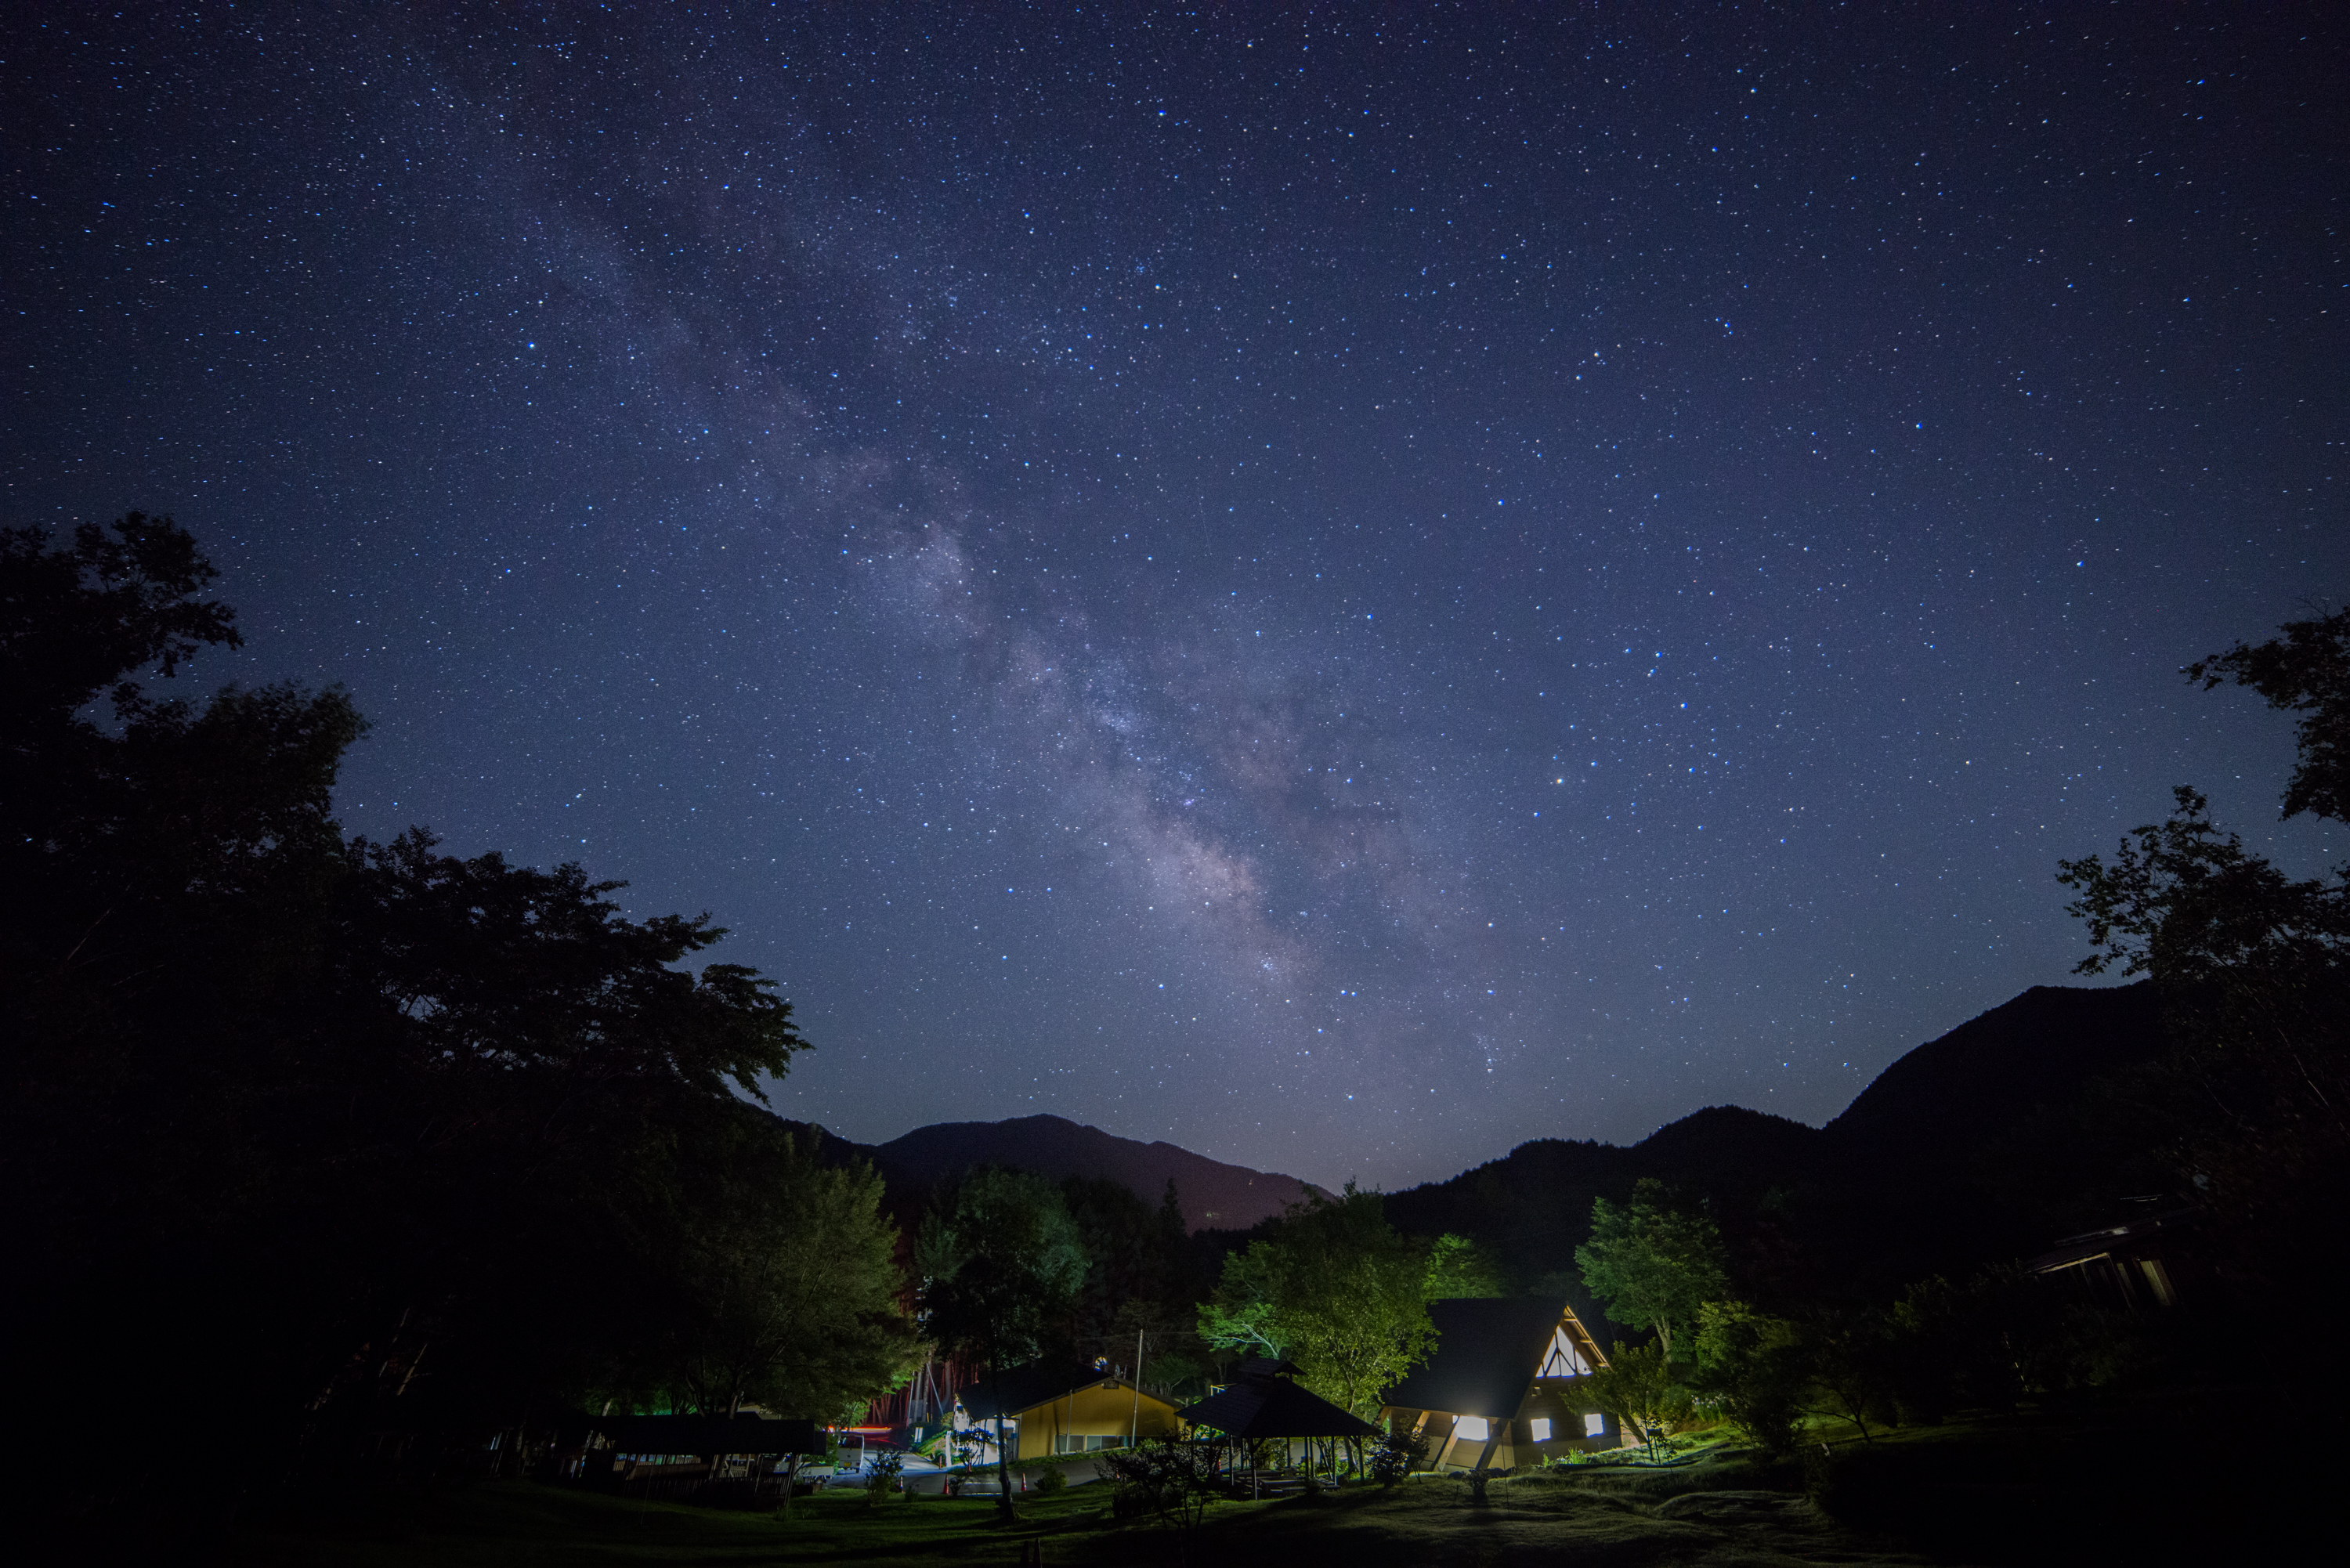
[[403, 1136], [1000, 1260], [1652, 1263], [2253, 970]]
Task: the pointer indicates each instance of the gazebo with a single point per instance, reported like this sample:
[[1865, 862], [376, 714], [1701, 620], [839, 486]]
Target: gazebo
[[1265, 1402]]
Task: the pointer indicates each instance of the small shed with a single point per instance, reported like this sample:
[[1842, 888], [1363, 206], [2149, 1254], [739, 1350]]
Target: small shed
[[1504, 1386]]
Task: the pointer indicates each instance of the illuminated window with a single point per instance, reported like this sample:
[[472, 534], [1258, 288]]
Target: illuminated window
[[1595, 1426], [1564, 1359], [1470, 1429], [1540, 1426]]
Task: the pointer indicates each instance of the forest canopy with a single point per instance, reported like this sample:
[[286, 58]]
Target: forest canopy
[[382, 1123]]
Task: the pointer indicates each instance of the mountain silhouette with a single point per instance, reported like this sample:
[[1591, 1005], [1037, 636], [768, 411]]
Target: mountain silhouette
[[1995, 1074], [1965, 1150], [1211, 1194], [1969, 1148]]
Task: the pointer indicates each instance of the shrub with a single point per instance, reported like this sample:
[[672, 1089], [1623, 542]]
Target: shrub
[[1753, 1371], [1637, 1388], [1055, 1479], [1397, 1455], [1168, 1476]]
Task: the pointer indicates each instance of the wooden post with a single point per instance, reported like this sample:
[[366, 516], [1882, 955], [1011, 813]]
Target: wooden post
[[1134, 1421]]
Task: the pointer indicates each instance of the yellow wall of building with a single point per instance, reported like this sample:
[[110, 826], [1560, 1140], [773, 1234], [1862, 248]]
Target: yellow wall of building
[[1105, 1409]]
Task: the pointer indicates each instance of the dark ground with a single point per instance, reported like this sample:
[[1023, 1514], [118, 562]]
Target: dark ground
[[2155, 1477]]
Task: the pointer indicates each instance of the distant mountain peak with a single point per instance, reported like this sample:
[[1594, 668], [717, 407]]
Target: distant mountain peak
[[1213, 1195]]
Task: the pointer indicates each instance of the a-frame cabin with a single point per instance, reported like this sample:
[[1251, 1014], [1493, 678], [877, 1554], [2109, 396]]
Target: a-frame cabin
[[1505, 1387]]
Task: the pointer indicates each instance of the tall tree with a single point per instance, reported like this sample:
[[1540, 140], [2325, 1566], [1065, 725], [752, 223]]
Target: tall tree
[[1652, 1263], [79, 619], [369, 1107], [788, 1280], [2253, 968], [1334, 1289], [2305, 672], [1243, 1314], [1457, 1268], [1000, 1261], [2187, 904]]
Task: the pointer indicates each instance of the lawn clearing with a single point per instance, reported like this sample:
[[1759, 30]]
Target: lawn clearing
[[1427, 1519], [2137, 1479]]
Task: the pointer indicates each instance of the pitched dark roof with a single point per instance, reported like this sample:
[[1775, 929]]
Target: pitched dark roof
[[2126, 1239], [1487, 1352], [1274, 1408], [708, 1435], [1035, 1384]]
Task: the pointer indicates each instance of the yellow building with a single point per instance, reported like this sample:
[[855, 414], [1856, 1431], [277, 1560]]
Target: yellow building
[[1064, 1411]]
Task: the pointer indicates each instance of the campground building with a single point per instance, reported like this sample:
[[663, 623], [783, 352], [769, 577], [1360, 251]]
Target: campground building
[[1052, 1411], [1505, 1387]]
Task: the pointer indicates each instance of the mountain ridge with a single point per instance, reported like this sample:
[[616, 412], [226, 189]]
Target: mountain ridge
[[1212, 1194], [1935, 1150], [1969, 1148]]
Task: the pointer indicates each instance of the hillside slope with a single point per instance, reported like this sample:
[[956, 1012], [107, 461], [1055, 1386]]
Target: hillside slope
[[1996, 1072], [1213, 1195], [1967, 1149]]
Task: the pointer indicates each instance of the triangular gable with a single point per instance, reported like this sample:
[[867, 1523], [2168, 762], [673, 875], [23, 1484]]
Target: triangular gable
[[1564, 1359], [1573, 1349]]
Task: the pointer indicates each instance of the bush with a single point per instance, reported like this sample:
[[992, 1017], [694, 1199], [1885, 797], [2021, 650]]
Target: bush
[[881, 1475], [1397, 1455], [1753, 1371], [1054, 1480], [1637, 1388], [1168, 1476]]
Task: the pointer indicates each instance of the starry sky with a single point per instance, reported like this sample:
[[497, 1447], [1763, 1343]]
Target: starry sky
[[1344, 586]]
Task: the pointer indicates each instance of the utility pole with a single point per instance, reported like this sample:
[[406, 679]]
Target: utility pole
[[1134, 1421]]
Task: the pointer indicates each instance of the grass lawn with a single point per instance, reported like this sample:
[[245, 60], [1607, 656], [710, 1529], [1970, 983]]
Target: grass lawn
[[1527, 1519], [520, 1523], [2164, 1478]]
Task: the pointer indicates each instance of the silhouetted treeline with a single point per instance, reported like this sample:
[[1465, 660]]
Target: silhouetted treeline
[[296, 1126]]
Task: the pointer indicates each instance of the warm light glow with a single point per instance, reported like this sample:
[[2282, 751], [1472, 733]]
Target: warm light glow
[[1470, 1430], [1564, 1359], [1540, 1426], [1595, 1426]]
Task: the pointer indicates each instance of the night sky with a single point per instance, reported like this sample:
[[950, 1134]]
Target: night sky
[[1346, 590]]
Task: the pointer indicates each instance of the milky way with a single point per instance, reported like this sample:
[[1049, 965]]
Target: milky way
[[1347, 590]]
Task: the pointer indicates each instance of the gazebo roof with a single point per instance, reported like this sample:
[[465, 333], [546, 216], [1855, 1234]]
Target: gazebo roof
[[1263, 1407]]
